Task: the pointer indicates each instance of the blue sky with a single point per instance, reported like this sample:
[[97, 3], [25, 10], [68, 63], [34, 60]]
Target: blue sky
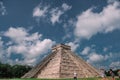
[[29, 28]]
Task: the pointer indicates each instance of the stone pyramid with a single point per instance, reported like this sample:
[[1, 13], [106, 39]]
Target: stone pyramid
[[62, 63]]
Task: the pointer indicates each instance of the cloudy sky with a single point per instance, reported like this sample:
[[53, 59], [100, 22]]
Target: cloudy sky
[[29, 28]]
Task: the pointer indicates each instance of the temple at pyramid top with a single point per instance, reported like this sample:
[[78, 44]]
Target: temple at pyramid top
[[60, 46], [62, 63]]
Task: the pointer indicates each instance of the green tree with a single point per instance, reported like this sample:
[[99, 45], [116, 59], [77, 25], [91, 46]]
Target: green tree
[[15, 71], [19, 70], [5, 70]]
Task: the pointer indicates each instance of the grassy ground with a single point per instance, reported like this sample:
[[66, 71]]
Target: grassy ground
[[64, 79]]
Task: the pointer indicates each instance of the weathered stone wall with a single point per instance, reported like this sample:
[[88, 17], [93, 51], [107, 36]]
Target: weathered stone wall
[[51, 70]]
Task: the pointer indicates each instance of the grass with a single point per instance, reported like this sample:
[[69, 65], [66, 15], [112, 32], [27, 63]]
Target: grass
[[61, 79]]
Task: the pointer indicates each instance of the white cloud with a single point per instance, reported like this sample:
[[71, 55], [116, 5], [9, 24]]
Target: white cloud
[[99, 60], [40, 11], [73, 45], [115, 64], [16, 34], [21, 34], [66, 7], [90, 23], [51, 14], [40, 47], [2, 9], [95, 58], [69, 28], [30, 46], [57, 12], [55, 15], [86, 51]]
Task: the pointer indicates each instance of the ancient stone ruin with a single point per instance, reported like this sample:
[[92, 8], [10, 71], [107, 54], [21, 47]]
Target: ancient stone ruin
[[62, 63]]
